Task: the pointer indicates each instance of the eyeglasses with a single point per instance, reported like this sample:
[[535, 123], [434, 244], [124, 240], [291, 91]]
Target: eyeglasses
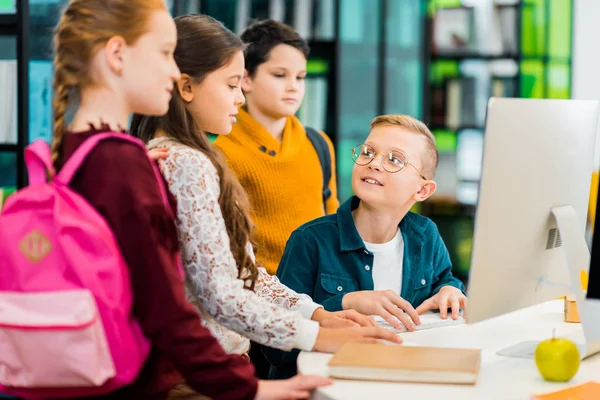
[[392, 162]]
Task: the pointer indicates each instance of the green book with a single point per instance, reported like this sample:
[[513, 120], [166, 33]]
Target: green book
[[7, 5]]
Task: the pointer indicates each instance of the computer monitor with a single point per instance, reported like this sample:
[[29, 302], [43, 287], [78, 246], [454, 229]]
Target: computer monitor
[[536, 175], [591, 307]]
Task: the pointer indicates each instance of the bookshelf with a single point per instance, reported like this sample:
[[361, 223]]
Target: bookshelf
[[367, 58], [14, 95], [317, 21], [509, 48], [383, 56], [26, 28]]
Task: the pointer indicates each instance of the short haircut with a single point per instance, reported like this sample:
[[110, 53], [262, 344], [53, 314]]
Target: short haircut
[[262, 36], [429, 158]]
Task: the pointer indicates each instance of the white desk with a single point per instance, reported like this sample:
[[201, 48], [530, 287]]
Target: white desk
[[499, 378]]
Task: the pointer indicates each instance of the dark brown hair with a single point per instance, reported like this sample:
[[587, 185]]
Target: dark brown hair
[[262, 36], [84, 27], [204, 45]]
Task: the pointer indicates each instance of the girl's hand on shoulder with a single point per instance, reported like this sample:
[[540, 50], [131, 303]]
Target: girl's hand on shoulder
[[158, 154]]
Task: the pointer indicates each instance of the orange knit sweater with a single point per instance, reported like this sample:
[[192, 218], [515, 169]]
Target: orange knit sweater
[[285, 189]]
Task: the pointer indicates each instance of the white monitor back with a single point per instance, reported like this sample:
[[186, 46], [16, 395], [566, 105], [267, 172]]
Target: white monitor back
[[538, 154]]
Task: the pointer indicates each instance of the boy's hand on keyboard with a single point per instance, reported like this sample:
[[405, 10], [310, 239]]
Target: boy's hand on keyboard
[[385, 303], [447, 297]]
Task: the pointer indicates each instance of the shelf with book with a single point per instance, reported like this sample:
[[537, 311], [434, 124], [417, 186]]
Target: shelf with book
[[313, 111], [8, 24], [8, 6], [504, 49], [510, 4], [456, 129], [474, 56], [373, 50], [13, 98], [316, 21], [383, 70], [8, 147], [31, 53], [9, 93]]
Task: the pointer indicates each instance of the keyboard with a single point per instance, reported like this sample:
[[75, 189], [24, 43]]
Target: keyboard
[[527, 349], [429, 320]]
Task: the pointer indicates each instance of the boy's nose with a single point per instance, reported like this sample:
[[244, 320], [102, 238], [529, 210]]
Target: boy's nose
[[293, 84], [375, 164]]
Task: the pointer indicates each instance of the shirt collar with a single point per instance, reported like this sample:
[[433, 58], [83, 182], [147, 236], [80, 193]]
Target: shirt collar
[[350, 240]]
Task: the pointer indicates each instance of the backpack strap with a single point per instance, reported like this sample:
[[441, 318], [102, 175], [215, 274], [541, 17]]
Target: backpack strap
[[73, 164], [322, 148], [38, 160]]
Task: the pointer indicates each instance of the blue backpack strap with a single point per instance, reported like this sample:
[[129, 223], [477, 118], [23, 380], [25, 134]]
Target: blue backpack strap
[[320, 145]]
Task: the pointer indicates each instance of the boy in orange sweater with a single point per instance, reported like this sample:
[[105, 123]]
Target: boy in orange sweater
[[269, 149]]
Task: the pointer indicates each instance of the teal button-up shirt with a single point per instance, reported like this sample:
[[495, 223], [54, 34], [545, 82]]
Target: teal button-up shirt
[[326, 258]]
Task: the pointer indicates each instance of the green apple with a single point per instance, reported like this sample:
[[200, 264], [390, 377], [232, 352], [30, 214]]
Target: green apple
[[557, 359]]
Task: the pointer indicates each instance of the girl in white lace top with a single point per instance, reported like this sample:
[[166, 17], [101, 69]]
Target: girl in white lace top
[[237, 300], [212, 274]]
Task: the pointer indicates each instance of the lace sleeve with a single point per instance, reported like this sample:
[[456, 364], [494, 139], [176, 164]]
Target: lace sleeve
[[270, 287], [211, 270]]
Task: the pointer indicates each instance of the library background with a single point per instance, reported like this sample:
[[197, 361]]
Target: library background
[[437, 60]]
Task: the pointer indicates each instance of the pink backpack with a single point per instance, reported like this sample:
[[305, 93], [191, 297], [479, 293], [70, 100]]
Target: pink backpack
[[66, 328]]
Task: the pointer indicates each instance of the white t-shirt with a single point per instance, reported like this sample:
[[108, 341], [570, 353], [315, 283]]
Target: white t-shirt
[[388, 260]]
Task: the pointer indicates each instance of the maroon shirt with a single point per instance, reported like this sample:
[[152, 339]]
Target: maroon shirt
[[118, 181]]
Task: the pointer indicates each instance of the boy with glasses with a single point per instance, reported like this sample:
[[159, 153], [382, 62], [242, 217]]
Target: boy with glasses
[[374, 255]]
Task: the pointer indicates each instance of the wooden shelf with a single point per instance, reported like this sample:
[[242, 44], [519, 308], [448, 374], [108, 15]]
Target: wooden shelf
[[8, 147], [458, 7], [495, 57], [456, 129], [360, 49], [8, 19], [321, 42], [474, 56], [448, 206], [8, 24], [514, 5]]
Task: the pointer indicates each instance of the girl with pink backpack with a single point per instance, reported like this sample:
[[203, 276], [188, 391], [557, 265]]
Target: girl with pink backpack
[[92, 301]]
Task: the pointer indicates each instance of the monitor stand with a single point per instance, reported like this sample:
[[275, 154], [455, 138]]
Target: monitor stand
[[577, 260]]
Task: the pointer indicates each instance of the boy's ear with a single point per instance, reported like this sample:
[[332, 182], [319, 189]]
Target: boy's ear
[[427, 190], [184, 87], [246, 82]]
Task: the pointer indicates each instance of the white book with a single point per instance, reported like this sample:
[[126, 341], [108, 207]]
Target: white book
[[453, 104], [8, 101]]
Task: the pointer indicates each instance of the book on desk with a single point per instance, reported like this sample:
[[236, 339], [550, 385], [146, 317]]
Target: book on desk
[[380, 362]]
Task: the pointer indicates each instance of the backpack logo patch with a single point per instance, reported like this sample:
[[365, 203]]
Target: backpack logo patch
[[35, 246]]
